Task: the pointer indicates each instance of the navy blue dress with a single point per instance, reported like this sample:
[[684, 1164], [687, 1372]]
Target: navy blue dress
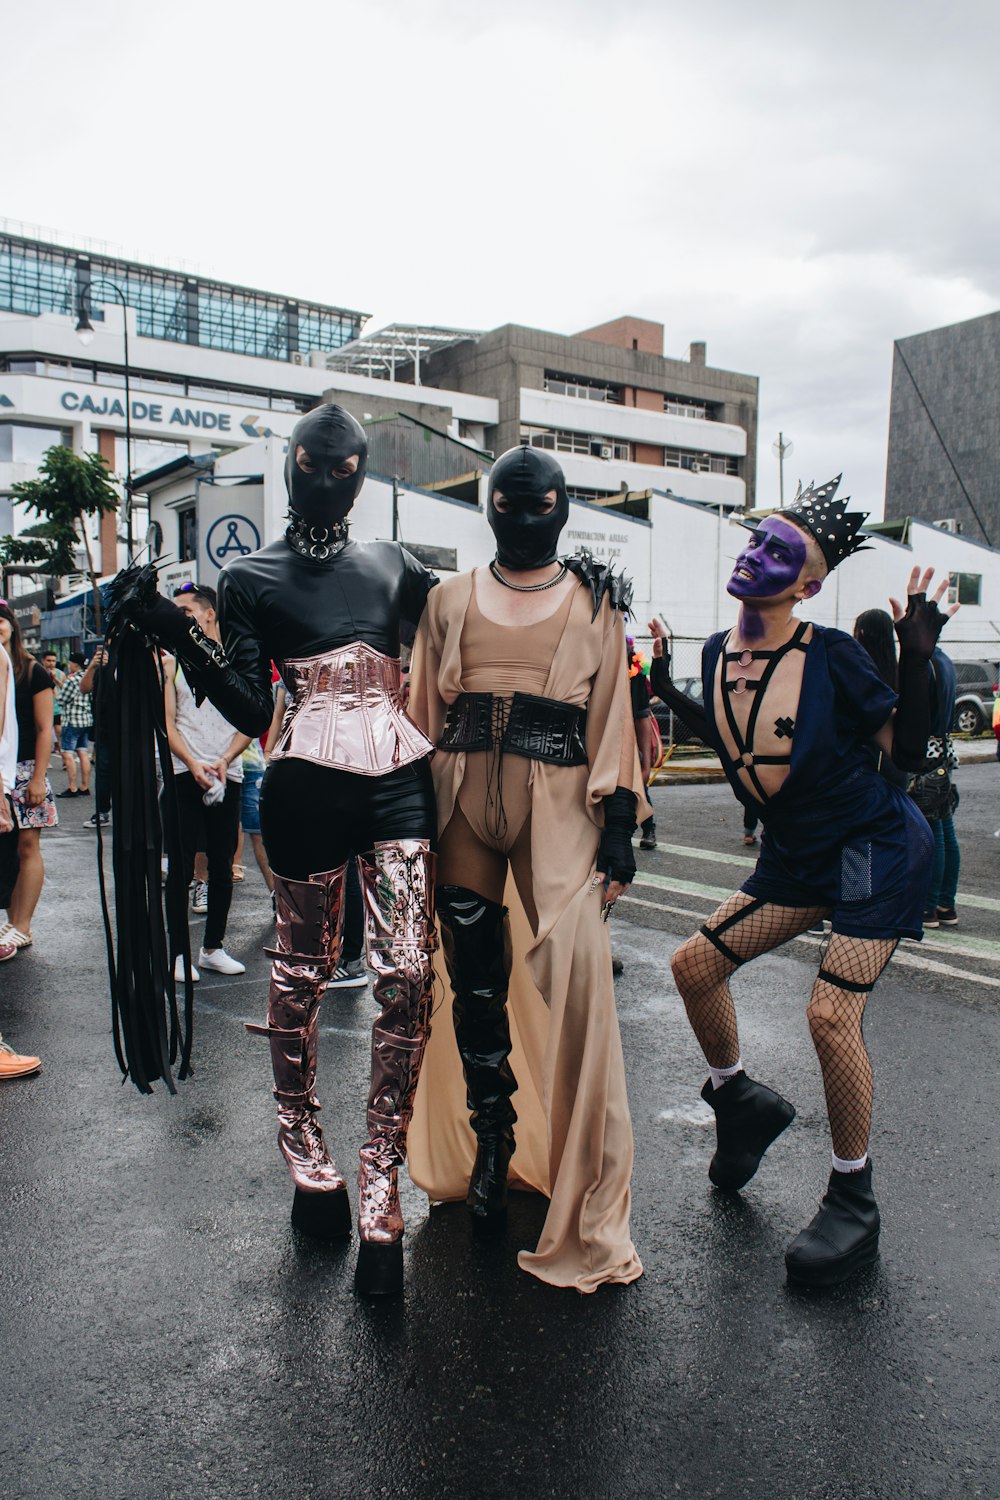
[[836, 833]]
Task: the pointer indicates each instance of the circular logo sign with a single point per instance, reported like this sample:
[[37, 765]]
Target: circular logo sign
[[231, 536]]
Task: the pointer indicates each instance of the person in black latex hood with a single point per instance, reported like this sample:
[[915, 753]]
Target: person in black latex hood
[[323, 491], [527, 534]]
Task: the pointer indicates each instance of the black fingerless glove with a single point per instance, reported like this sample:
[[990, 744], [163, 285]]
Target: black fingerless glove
[[920, 627], [615, 855], [918, 633]]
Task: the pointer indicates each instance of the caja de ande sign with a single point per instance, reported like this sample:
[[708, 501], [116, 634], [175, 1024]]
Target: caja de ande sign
[[148, 411]]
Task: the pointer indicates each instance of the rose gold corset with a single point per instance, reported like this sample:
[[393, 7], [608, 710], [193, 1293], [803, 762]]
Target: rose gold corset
[[345, 712]]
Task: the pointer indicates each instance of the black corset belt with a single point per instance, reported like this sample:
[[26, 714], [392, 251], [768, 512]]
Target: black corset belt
[[537, 728]]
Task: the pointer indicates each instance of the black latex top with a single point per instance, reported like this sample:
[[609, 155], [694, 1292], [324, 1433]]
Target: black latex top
[[275, 604]]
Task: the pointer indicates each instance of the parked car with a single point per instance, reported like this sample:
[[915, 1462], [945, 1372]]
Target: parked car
[[976, 683], [673, 729]]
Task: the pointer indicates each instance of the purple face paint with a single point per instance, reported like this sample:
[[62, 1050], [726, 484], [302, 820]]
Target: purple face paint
[[770, 562]]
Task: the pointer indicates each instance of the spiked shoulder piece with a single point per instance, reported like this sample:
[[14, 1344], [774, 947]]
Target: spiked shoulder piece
[[836, 530], [601, 579]]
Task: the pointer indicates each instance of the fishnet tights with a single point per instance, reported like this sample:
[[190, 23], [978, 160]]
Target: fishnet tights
[[836, 1012], [702, 971]]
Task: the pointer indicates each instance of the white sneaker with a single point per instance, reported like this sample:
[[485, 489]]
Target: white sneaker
[[199, 897], [179, 971], [220, 962]]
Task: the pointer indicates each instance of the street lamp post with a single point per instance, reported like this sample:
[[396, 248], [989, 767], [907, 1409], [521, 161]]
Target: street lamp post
[[85, 330]]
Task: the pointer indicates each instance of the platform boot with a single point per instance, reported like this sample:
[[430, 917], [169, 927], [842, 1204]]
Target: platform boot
[[476, 939], [748, 1118], [397, 883], [842, 1237], [309, 915]]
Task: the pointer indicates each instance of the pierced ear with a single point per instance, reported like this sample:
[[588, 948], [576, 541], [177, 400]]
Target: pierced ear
[[811, 587]]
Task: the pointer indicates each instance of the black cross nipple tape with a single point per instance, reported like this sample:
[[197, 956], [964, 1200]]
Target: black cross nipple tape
[[784, 728]]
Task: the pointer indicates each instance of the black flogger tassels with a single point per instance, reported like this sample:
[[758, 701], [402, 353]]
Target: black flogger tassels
[[150, 1034]]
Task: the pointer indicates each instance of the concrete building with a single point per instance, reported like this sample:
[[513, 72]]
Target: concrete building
[[944, 428], [607, 401], [214, 367]]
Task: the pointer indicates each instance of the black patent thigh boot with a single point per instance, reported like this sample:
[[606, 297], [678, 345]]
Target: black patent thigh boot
[[748, 1117], [842, 1237], [476, 943]]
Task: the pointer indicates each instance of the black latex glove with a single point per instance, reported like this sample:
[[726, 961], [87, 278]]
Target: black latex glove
[[615, 855], [164, 623]]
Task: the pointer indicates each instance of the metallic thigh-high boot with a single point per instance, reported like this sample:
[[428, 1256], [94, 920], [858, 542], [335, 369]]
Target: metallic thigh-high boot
[[476, 940], [397, 881], [310, 917]]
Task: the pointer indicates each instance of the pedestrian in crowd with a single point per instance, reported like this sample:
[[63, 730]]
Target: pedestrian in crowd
[[98, 682], [206, 752], [34, 805], [254, 766], [12, 1064], [936, 795], [50, 663], [642, 717], [77, 722]]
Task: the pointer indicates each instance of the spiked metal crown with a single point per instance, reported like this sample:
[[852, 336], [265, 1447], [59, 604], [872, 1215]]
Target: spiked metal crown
[[837, 531]]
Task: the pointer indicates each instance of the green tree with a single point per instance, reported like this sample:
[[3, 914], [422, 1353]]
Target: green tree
[[69, 489]]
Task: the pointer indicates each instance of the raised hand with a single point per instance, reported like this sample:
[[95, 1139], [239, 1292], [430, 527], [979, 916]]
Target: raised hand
[[658, 631], [919, 625]]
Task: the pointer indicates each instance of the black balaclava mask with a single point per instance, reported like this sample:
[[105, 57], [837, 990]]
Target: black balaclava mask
[[329, 435], [525, 538]]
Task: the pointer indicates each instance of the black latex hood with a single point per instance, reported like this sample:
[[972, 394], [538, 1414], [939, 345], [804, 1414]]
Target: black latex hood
[[329, 435], [525, 538]]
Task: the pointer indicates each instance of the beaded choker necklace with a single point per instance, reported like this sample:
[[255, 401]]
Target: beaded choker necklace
[[318, 542]]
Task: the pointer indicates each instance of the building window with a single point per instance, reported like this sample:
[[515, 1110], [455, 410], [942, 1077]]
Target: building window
[[583, 388], [700, 463], [965, 588], [187, 534], [587, 444], [36, 278], [680, 406], [24, 444]]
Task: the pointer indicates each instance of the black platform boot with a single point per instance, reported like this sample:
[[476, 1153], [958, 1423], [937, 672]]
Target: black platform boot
[[476, 946], [748, 1117], [842, 1237]]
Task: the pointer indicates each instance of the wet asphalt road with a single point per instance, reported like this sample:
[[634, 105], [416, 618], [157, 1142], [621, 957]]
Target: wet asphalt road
[[165, 1333]]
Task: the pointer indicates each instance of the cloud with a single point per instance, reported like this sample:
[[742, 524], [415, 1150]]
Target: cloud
[[796, 185]]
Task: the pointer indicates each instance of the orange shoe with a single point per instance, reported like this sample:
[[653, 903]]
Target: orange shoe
[[13, 1065]]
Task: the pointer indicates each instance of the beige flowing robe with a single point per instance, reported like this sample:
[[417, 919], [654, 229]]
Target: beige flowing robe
[[574, 1134]]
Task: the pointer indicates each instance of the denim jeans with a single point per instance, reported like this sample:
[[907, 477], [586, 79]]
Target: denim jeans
[[945, 866]]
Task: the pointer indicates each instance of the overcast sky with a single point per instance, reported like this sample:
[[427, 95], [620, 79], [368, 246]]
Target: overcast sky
[[796, 184]]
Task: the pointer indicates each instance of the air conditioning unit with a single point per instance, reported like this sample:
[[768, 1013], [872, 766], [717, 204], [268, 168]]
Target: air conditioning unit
[[696, 467], [948, 524], [298, 358], [607, 451]]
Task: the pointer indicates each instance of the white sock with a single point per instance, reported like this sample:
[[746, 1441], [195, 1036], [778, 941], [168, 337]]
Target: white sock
[[844, 1164], [722, 1075]]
